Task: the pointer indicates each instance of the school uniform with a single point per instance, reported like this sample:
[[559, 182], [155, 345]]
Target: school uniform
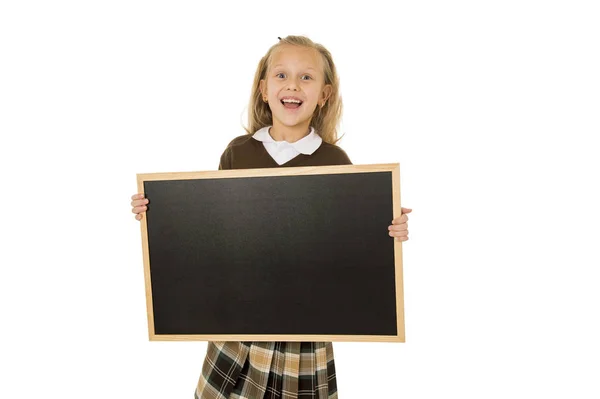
[[269, 370]]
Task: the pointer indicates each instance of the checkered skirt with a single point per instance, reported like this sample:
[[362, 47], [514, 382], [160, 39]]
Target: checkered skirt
[[268, 370]]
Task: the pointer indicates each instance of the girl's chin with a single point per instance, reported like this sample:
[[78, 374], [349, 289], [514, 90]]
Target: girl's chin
[[292, 117], [294, 122]]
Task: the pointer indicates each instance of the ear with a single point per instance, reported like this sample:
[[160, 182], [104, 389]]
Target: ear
[[263, 87], [325, 94]]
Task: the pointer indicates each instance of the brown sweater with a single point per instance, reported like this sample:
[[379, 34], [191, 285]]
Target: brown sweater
[[245, 152]]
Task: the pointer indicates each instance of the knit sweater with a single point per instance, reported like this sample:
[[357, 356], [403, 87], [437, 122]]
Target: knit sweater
[[245, 152]]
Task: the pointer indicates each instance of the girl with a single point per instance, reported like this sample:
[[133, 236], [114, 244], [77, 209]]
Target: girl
[[294, 112]]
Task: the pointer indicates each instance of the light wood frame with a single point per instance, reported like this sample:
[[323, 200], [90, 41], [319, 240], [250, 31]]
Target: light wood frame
[[394, 168]]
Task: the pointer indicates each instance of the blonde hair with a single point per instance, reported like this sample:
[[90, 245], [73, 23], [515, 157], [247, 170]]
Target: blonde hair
[[325, 120]]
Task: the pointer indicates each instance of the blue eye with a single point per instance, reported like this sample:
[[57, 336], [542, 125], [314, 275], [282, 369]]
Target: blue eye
[[307, 77], [280, 75]]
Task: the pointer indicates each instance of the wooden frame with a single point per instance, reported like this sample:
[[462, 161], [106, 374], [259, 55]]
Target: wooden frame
[[394, 171]]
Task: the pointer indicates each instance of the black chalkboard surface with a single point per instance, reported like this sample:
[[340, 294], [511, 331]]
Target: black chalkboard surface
[[287, 254]]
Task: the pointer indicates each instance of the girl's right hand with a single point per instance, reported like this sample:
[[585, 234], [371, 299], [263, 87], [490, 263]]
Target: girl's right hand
[[138, 203]]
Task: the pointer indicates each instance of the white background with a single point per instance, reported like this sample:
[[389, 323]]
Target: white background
[[491, 108]]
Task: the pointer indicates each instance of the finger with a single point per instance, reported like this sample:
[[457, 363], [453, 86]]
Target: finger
[[137, 196], [139, 209], [398, 227], [139, 202], [400, 219], [401, 239], [405, 210], [138, 216], [403, 233]]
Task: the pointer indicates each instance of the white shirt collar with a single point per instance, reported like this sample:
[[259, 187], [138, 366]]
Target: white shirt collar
[[306, 145]]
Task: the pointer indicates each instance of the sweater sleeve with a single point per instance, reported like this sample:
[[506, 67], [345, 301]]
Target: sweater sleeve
[[345, 159], [225, 161], [339, 156]]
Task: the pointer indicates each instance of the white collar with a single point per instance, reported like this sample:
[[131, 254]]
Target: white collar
[[306, 145]]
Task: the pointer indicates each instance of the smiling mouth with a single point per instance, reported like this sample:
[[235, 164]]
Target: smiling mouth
[[291, 104]]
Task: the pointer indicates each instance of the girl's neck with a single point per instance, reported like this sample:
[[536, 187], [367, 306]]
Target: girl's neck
[[290, 134]]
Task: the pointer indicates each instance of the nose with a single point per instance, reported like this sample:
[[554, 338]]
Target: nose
[[292, 85]]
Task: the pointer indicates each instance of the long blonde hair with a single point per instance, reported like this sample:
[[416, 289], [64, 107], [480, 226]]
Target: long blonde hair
[[325, 120]]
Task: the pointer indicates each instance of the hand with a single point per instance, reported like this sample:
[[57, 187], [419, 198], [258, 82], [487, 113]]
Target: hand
[[399, 226], [138, 202]]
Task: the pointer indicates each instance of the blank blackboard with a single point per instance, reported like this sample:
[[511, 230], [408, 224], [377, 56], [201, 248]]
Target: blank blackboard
[[288, 254]]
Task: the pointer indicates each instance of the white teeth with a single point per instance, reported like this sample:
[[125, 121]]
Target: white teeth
[[291, 101]]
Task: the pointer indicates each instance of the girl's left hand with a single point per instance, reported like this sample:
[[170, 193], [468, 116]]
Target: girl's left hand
[[399, 226]]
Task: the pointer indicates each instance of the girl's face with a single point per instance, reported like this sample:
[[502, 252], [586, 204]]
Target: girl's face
[[294, 85]]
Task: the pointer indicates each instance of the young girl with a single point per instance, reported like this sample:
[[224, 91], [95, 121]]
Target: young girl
[[294, 112]]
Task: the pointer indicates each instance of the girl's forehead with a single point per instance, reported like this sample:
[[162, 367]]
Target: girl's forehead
[[299, 56]]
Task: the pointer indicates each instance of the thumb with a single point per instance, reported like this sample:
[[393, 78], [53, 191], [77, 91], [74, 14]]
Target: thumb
[[406, 210]]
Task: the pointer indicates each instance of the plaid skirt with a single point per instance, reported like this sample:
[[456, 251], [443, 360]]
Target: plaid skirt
[[268, 370]]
